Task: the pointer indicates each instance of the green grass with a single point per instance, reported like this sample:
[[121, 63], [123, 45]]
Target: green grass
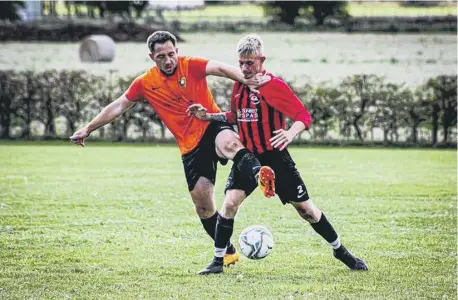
[[117, 222], [394, 9], [231, 12]]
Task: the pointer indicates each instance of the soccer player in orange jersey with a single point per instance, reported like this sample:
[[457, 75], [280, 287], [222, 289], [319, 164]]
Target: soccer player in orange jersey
[[171, 87]]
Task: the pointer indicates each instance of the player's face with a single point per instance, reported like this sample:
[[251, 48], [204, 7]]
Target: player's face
[[165, 56], [251, 65]]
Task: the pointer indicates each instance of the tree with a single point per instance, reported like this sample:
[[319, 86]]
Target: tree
[[324, 9], [444, 104], [322, 109], [288, 11], [419, 110], [358, 94], [9, 10], [285, 11], [390, 109]]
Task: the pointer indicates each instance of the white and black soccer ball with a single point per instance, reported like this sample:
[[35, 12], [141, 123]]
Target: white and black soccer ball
[[256, 242]]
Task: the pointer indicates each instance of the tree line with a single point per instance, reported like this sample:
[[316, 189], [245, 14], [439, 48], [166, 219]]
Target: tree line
[[353, 110]]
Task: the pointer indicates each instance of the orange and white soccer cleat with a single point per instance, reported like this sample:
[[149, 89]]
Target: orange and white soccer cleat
[[231, 259], [266, 181]]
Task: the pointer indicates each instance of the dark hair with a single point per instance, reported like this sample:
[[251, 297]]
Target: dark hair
[[160, 37]]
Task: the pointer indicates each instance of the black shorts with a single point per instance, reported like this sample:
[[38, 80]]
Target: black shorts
[[203, 160], [289, 185]]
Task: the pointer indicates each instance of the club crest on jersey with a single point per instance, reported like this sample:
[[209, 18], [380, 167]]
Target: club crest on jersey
[[182, 82], [254, 99]]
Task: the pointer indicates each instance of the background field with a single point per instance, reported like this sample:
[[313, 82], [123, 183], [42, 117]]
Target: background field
[[116, 222], [313, 57], [256, 12], [252, 11]]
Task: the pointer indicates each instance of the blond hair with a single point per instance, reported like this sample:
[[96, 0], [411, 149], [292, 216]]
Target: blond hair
[[251, 44]]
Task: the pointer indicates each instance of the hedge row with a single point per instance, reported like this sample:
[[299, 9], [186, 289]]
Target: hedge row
[[74, 32], [64, 31], [362, 108]]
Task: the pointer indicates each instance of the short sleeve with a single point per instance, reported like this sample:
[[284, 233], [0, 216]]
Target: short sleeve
[[135, 90], [198, 67]]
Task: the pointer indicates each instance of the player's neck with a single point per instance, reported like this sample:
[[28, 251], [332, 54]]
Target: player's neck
[[171, 74]]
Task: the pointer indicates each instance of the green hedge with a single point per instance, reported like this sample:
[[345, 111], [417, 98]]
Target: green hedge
[[362, 109]]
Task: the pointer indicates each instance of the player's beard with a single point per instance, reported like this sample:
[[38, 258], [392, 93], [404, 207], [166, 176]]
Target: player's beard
[[171, 72]]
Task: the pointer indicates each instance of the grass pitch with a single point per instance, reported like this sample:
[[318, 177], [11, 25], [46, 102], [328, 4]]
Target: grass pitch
[[116, 222]]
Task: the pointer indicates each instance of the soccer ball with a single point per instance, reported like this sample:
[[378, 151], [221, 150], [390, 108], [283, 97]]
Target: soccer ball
[[256, 242]]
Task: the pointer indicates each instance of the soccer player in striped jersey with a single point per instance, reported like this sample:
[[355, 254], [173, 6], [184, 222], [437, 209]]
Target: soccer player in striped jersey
[[260, 116]]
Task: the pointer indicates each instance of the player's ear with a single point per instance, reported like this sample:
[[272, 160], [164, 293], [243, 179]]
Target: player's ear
[[263, 58], [176, 50], [151, 55]]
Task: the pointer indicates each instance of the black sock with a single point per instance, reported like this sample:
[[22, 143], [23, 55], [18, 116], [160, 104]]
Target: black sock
[[325, 229], [230, 248], [210, 227], [224, 229], [248, 165]]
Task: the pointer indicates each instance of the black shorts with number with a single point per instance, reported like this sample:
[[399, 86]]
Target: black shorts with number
[[203, 160], [289, 185]]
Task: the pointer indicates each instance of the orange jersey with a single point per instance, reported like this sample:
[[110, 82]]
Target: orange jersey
[[170, 96]]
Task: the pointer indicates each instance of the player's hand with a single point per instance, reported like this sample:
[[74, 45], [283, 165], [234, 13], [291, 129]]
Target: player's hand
[[257, 81], [79, 136], [282, 138], [198, 111]]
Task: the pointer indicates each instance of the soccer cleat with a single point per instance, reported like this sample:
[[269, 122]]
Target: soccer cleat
[[349, 259], [214, 268], [266, 181], [231, 259]]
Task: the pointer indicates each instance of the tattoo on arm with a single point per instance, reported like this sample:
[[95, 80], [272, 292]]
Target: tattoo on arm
[[218, 117]]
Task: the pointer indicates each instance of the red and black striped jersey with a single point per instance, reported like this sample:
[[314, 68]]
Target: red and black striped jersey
[[258, 115]]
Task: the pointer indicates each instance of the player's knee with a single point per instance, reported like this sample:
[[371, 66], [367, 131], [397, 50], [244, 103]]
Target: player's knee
[[230, 208], [204, 212], [203, 201], [232, 146], [310, 214]]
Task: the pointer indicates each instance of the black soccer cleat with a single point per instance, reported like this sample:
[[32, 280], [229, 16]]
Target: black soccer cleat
[[214, 268], [349, 259]]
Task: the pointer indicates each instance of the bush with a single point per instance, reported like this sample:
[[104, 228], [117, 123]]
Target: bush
[[362, 109]]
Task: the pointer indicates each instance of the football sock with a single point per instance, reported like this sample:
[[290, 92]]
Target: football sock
[[219, 259], [325, 229], [336, 244], [210, 227], [219, 252], [224, 229], [230, 248], [248, 165]]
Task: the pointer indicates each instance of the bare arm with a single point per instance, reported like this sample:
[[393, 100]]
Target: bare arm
[[297, 128], [283, 137], [221, 117], [110, 113], [107, 115], [200, 112], [220, 69]]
